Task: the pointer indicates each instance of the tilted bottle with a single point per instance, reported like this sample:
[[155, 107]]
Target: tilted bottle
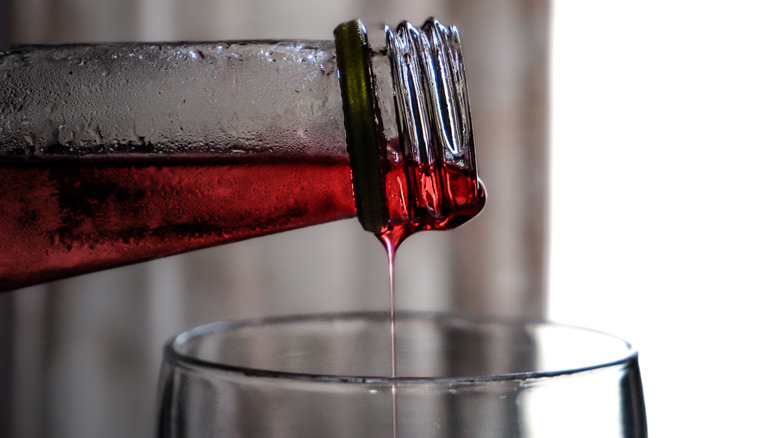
[[112, 154]]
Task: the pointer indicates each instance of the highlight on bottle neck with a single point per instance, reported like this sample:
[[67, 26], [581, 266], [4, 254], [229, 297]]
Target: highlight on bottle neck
[[408, 126], [431, 98]]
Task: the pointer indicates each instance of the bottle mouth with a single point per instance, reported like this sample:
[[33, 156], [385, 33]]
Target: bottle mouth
[[431, 97], [408, 122]]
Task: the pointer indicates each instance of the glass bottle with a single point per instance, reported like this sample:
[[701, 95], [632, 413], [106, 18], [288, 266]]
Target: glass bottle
[[112, 154]]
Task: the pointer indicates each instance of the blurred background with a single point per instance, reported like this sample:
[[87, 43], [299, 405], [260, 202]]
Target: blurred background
[[663, 149]]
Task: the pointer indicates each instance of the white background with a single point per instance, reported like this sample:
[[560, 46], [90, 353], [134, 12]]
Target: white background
[[666, 200]]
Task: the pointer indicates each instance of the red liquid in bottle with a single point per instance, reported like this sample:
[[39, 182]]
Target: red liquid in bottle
[[64, 217]]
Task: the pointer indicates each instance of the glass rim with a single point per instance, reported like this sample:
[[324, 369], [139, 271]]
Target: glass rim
[[172, 356]]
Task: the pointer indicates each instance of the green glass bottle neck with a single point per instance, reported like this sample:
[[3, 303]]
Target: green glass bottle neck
[[353, 59], [406, 112]]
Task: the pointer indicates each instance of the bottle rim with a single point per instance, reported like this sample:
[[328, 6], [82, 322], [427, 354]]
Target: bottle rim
[[406, 102]]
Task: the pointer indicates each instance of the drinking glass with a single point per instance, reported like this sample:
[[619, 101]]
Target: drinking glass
[[329, 375]]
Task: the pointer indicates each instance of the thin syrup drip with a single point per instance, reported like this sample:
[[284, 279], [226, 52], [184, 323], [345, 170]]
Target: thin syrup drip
[[391, 240]]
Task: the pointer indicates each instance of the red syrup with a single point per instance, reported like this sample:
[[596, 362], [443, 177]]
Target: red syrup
[[63, 217], [437, 197]]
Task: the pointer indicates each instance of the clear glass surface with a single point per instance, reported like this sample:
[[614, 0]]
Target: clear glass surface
[[328, 376]]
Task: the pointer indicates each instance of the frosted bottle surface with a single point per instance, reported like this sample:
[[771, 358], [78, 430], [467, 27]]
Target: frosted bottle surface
[[265, 98], [112, 154]]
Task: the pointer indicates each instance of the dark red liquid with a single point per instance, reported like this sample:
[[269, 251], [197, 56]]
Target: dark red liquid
[[436, 197], [62, 218]]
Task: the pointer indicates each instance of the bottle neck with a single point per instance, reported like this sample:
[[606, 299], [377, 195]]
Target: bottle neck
[[408, 127]]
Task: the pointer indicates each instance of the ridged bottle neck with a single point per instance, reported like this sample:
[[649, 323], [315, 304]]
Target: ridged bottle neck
[[418, 130], [431, 99]]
